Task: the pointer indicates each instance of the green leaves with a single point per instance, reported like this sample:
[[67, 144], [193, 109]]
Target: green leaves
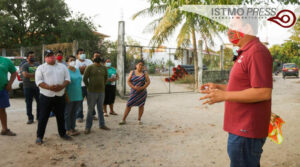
[[35, 22]]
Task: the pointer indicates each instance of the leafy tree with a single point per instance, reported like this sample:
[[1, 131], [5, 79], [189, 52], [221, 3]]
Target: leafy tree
[[35, 22], [296, 32], [190, 24], [170, 63]]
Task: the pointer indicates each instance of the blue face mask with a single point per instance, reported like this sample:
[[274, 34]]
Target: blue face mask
[[108, 64], [82, 57], [235, 49]]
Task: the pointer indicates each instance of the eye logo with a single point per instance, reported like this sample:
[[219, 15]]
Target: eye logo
[[284, 18]]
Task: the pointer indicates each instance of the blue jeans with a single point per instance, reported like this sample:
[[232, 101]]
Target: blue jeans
[[79, 112], [94, 99], [244, 152], [29, 94], [70, 114]]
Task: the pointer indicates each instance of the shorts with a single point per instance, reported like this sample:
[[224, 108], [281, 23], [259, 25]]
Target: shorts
[[4, 99]]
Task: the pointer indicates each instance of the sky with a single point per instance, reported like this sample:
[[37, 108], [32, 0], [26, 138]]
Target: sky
[[109, 13]]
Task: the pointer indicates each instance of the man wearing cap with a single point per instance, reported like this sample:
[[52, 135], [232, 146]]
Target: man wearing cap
[[52, 78], [247, 95], [6, 66]]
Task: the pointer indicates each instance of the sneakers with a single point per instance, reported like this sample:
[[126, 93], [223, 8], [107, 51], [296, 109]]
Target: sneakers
[[73, 132], [66, 137], [104, 128], [140, 122], [122, 122], [30, 122], [7, 132], [39, 141]]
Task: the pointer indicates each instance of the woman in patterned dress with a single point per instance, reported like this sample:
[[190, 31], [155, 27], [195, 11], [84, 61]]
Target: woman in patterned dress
[[138, 80]]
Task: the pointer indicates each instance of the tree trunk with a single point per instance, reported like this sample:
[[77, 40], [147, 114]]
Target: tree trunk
[[195, 59]]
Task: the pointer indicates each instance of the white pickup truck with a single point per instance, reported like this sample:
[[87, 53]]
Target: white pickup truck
[[18, 82]]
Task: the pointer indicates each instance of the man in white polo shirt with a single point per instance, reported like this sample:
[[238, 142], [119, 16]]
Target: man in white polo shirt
[[52, 78]]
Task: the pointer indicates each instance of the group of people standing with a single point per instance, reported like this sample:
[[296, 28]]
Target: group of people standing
[[59, 87]]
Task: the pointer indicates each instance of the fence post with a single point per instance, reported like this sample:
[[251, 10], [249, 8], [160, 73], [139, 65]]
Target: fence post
[[3, 52], [43, 52], [200, 63], [74, 47], [121, 84], [22, 51], [222, 61]]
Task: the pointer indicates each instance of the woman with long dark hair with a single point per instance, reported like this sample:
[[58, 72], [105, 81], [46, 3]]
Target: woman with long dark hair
[[138, 80]]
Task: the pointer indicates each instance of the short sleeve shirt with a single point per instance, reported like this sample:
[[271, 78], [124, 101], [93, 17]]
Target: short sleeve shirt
[[5, 66], [74, 90], [252, 69], [112, 73], [55, 74], [29, 68]]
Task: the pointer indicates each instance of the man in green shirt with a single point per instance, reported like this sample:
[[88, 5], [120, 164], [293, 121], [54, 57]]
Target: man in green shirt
[[5, 86], [94, 78]]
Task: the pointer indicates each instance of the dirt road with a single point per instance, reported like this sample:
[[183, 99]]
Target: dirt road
[[177, 131]]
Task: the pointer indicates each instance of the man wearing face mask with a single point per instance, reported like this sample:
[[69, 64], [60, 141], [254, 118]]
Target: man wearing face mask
[[247, 96], [52, 78], [60, 57], [30, 89], [95, 77], [81, 64]]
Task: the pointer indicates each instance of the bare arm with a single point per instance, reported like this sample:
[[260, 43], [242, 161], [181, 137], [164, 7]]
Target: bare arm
[[11, 80], [129, 80], [147, 81], [251, 95], [28, 75]]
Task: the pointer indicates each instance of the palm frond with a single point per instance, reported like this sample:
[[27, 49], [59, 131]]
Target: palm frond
[[156, 10]]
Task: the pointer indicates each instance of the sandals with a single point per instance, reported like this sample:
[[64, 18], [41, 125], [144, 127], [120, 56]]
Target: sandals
[[113, 113], [7, 132], [122, 122], [105, 114]]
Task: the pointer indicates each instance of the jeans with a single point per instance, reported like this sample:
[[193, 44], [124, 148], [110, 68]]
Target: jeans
[[244, 152], [79, 112], [93, 99], [29, 94], [70, 114], [56, 103]]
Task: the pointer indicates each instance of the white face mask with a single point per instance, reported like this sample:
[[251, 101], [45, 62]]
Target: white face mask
[[72, 64], [82, 57], [108, 64]]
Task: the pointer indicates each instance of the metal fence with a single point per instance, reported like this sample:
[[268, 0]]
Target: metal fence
[[171, 70]]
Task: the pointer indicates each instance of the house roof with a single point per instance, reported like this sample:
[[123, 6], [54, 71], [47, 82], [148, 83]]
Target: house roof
[[101, 34]]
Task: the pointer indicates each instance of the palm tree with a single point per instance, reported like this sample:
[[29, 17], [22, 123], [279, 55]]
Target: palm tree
[[189, 23]]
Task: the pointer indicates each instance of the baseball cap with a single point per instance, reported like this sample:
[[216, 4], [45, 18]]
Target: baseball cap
[[48, 53]]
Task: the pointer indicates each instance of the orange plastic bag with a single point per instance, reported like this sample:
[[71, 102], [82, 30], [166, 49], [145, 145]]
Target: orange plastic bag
[[275, 133]]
